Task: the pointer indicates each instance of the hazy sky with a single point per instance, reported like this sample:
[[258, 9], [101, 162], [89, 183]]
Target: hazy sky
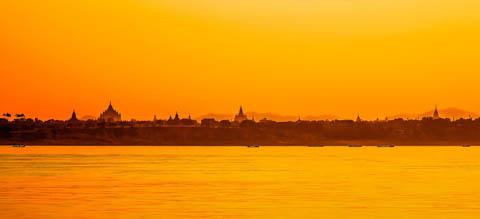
[[299, 57]]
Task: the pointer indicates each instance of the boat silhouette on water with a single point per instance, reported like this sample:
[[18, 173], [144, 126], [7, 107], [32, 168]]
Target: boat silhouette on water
[[385, 145], [253, 146], [19, 145], [355, 146]]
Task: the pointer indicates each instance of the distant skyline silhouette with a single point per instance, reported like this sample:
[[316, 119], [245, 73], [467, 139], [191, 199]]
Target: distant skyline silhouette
[[112, 114], [109, 128]]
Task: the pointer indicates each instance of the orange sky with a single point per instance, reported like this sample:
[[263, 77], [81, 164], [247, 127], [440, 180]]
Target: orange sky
[[299, 57]]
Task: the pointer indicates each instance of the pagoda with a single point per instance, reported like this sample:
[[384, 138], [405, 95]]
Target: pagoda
[[241, 116], [110, 115], [436, 114]]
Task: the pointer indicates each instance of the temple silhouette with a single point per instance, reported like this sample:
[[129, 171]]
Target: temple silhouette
[[436, 115], [110, 114], [241, 116]]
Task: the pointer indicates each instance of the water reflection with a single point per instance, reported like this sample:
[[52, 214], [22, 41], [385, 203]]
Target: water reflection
[[237, 182]]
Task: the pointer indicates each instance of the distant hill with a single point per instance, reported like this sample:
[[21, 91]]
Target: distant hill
[[88, 117], [271, 116], [444, 113]]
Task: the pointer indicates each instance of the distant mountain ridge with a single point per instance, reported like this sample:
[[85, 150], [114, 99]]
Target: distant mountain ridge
[[451, 113], [271, 116], [88, 117]]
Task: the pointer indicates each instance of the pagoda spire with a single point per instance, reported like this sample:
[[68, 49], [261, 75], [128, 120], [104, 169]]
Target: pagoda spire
[[74, 116], [358, 118], [241, 116], [110, 107], [436, 115]]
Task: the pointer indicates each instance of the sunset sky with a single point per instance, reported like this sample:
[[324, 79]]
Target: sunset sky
[[292, 57]]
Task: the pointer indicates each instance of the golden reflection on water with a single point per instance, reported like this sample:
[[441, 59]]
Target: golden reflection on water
[[239, 182]]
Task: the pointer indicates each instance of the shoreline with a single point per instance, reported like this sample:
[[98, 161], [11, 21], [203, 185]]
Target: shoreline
[[311, 146]]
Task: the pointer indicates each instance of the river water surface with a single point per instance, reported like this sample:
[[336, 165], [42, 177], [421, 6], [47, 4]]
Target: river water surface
[[239, 182]]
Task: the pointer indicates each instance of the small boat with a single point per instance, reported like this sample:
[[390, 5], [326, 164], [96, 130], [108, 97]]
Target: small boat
[[466, 145], [316, 146], [19, 145], [385, 145], [253, 146], [355, 145]]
